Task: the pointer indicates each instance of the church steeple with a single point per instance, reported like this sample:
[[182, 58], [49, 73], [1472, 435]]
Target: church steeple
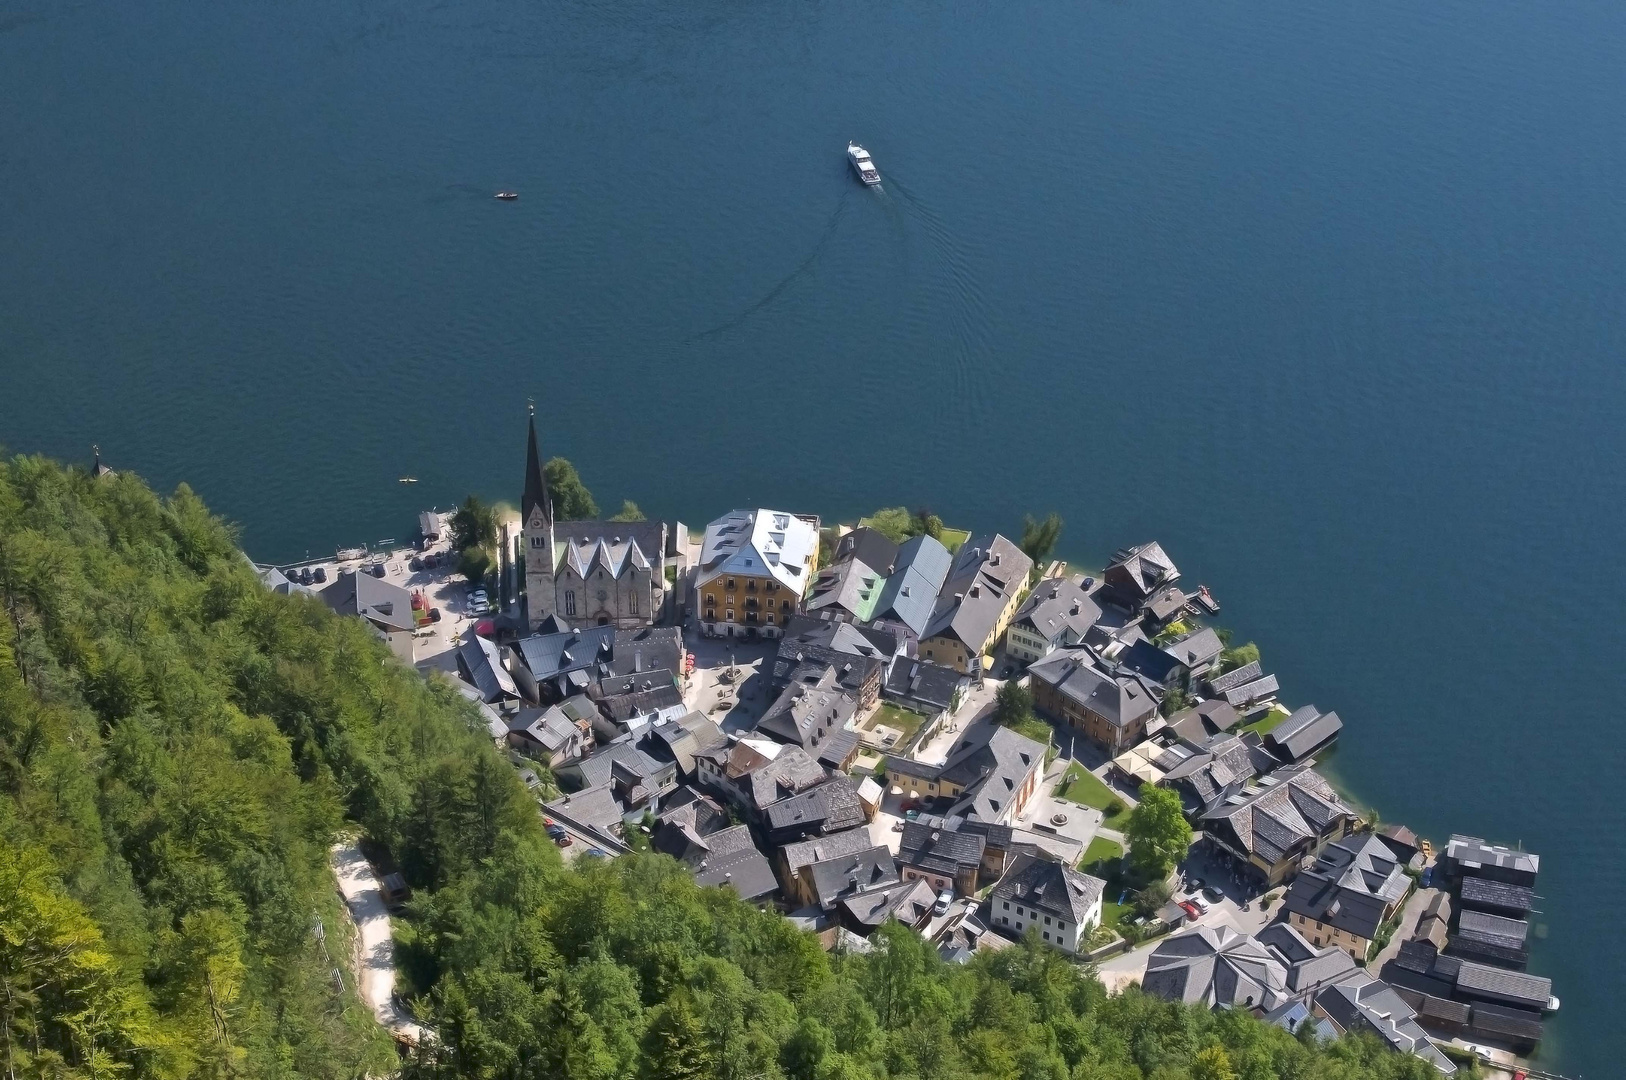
[[536, 484]]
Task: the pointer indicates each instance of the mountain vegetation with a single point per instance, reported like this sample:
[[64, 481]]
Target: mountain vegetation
[[179, 748]]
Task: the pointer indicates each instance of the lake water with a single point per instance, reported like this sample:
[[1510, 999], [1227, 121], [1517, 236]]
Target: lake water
[[1328, 297]]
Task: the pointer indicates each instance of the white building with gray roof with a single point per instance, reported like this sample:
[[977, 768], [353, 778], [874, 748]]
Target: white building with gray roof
[[1058, 613], [1061, 905]]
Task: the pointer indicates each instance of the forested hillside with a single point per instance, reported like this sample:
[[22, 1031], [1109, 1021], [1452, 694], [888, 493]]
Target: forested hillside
[[178, 749]]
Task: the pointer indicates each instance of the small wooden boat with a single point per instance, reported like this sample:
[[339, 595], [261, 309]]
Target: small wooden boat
[[507, 196], [1206, 599]]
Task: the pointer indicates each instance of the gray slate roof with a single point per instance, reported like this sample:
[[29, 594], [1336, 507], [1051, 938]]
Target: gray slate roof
[[809, 711], [1482, 893], [1359, 1002], [595, 805], [823, 848], [1216, 966], [1500, 985], [1299, 806], [1121, 698], [374, 599], [1248, 693], [1050, 887], [908, 902], [1471, 853], [987, 571], [989, 763], [830, 807], [922, 681], [860, 871], [910, 592], [1351, 884], [479, 661], [1058, 607], [1303, 733], [942, 851], [1233, 679], [1197, 648], [729, 858]]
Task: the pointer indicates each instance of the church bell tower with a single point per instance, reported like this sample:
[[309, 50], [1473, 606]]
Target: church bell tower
[[536, 510]]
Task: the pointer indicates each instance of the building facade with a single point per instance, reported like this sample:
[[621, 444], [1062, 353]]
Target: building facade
[[588, 573], [984, 586], [755, 566]]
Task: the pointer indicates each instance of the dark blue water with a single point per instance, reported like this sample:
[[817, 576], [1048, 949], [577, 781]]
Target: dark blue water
[[1328, 297]]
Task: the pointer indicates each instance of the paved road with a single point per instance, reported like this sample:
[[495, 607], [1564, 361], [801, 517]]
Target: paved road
[[1409, 915], [374, 962]]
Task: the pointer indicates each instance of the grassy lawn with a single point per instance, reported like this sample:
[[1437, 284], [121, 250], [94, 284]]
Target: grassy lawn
[[1084, 788], [1100, 855], [953, 538], [1266, 723], [1111, 913], [894, 717]]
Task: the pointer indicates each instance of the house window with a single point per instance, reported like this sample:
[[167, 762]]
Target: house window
[[784, 605], [1004, 919], [1007, 905], [536, 541], [730, 583], [730, 614], [1047, 935], [632, 602], [770, 618], [1047, 920], [928, 654], [570, 601]]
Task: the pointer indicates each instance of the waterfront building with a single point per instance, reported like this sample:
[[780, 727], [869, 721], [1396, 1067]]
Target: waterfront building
[[1111, 706], [1290, 817], [978, 599], [603, 573], [755, 565], [1356, 885], [1057, 614]]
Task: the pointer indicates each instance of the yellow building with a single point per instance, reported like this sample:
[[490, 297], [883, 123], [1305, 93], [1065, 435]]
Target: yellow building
[[755, 565], [977, 602]]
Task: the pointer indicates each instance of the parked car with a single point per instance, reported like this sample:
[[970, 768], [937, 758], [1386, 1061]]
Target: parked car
[[1197, 901], [1213, 895], [598, 853], [377, 570], [319, 575], [944, 899], [434, 614], [305, 577], [415, 563], [1195, 884], [559, 836], [1190, 909]]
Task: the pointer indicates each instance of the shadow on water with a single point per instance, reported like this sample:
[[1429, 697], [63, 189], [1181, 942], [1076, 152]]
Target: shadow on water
[[786, 282]]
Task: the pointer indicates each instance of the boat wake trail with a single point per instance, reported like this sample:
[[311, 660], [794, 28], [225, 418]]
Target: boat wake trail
[[969, 321], [785, 283]]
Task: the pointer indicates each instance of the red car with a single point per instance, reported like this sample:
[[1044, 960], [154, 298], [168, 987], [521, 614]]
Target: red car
[[1190, 909]]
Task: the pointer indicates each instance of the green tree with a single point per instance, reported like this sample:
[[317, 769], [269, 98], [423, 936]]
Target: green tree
[[1013, 704], [1039, 537], [571, 499], [629, 512], [1151, 897], [474, 525], [892, 522], [1231, 659], [925, 523], [675, 1047], [1212, 1063], [804, 1052], [1158, 834]]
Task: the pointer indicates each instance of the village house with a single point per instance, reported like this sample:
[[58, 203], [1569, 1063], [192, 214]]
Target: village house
[[1140, 582], [978, 599], [864, 656], [793, 862], [479, 663], [989, 775], [556, 734], [547, 667], [695, 831], [1291, 815], [755, 566], [755, 773], [1062, 905], [812, 712], [1057, 614], [1303, 734], [830, 807], [909, 593], [850, 587], [1355, 885], [945, 858], [604, 573], [1112, 707]]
